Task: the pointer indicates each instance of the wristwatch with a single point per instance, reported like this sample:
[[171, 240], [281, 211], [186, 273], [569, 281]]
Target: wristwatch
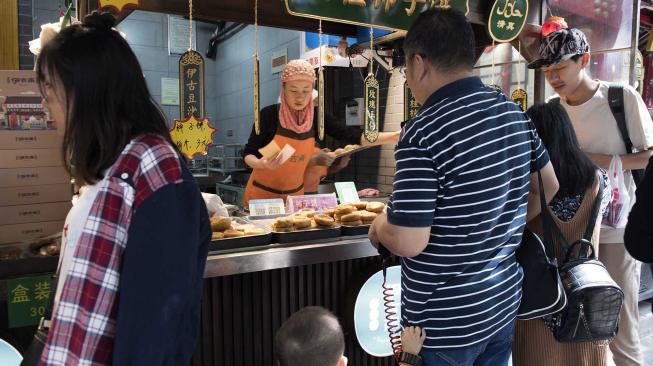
[[410, 359]]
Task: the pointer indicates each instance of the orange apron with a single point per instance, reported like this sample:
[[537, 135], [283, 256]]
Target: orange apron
[[313, 175], [288, 179]]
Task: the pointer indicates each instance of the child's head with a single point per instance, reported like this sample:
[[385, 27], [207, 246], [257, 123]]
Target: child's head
[[310, 337]]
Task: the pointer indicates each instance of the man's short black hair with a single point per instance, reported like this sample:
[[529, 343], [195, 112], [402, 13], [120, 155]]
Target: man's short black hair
[[310, 337], [444, 37]]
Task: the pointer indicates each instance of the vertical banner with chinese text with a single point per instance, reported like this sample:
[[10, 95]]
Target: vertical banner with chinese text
[[371, 109]]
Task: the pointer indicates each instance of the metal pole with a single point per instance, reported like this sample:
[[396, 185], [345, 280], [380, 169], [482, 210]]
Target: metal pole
[[634, 39]]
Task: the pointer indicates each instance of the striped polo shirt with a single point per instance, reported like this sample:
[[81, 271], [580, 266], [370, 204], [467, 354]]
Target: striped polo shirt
[[463, 169]]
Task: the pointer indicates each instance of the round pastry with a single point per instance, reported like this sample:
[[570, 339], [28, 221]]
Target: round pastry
[[282, 222], [254, 231], [339, 151], [351, 147], [367, 217], [353, 223], [301, 222], [314, 225], [231, 233], [376, 207], [49, 250], [345, 209], [219, 223], [324, 220], [307, 212], [330, 212], [217, 236], [282, 229], [244, 227], [354, 216], [10, 253], [360, 205]]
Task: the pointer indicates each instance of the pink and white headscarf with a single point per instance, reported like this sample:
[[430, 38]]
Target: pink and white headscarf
[[297, 121]]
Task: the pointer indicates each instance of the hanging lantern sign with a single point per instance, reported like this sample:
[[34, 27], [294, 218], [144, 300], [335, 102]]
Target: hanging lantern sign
[[117, 5], [191, 84], [257, 93], [371, 108], [411, 106], [320, 90], [507, 19], [520, 98], [192, 135]]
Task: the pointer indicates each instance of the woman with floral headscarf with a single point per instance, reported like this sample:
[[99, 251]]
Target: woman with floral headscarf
[[293, 122]]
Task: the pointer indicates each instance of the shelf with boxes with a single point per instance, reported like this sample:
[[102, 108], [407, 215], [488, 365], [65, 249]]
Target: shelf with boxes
[[35, 189]]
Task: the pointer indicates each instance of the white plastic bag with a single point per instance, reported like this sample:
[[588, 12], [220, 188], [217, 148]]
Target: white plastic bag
[[214, 205], [618, 208]]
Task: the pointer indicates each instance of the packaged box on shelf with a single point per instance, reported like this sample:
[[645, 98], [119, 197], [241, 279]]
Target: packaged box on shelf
[[16, 233], [21, 177], [30, 139], [21, 104], [39, 212], [35, 194], [30, 158]]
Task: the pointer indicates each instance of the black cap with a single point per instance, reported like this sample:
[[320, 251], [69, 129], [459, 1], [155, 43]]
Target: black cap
[[560, 46]]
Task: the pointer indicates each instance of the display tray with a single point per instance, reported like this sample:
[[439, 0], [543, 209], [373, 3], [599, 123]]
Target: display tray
[[353, 151], [354, 230], [242, 241], [298, 235]]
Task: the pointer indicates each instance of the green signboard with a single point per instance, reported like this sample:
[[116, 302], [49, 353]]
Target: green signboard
[[388, 14], [507, 19], [27, 298]]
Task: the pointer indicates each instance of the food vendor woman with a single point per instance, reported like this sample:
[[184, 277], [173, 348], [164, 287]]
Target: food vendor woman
[[294, 122]]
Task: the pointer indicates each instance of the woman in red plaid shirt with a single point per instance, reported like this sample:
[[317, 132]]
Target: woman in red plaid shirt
[[135, 242]]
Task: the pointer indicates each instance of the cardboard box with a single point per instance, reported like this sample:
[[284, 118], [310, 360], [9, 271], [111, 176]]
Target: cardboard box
[[22, 232], [30, 139], [22, 177], [34, 213], [35, 194], [30, 158], [21, 104]]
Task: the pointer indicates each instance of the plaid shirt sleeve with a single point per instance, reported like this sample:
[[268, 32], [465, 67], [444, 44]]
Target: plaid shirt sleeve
[[84, 321]]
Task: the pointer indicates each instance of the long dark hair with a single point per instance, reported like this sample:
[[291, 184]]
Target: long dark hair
[[107, 100], [575, 171]]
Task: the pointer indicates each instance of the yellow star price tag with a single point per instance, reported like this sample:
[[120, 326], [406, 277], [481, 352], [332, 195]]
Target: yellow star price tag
[[192, 136]]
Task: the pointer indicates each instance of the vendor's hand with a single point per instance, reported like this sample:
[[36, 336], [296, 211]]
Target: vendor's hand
[[324, 157], [343, 162], [412, 339], [269, 164]]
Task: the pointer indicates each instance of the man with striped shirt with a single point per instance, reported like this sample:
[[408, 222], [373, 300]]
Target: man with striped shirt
[[465, 175]]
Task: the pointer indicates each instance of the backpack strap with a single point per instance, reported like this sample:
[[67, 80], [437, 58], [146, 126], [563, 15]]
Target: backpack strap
[[595, 211], [616, 103]]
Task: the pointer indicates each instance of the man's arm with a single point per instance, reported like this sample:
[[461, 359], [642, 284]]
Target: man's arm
[[400, 240]]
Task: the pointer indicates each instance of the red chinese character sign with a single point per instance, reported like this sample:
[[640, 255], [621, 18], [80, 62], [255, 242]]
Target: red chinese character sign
[[192, 135], [507, 19], [117, 5]]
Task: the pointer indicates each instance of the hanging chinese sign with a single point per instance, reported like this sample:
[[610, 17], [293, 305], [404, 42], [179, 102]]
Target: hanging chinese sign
[[257, 93], [371, 108], [411, 106], [192, 135], [507, 19], [388, 14], [320, 91], [27, 298], [191, 85], [117, 5]]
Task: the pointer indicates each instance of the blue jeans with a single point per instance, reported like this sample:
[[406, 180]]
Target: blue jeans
[[492, 352]]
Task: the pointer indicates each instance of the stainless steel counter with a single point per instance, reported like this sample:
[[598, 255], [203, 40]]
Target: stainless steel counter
[[277, 256]]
